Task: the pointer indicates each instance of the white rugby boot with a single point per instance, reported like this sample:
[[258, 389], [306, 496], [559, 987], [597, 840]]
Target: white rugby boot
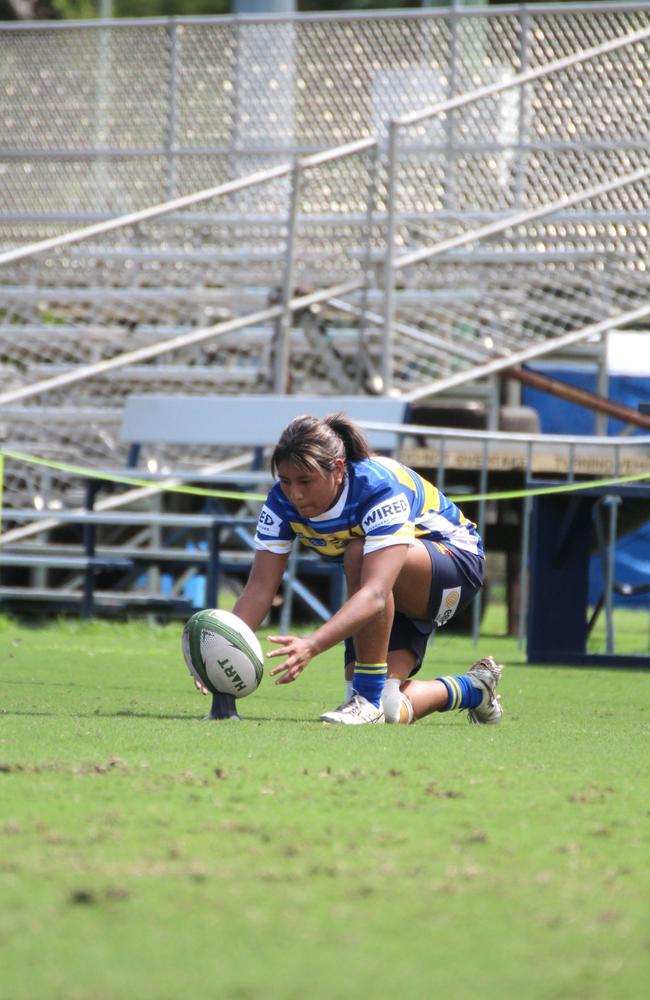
[[485, 675], [358, 711]]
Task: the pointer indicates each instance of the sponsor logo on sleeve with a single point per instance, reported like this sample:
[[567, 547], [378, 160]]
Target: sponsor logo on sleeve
[[269, 523], [394, 510], [448, 605]]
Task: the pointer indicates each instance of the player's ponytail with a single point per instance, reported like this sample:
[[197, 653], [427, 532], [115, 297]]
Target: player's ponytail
[[354, 440], [313, 443]]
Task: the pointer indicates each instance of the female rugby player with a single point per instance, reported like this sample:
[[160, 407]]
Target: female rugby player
[[411, 561]]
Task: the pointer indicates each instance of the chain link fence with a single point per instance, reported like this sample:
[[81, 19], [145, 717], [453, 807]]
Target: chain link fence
[[517, 214], [99, 119], [111, 118]]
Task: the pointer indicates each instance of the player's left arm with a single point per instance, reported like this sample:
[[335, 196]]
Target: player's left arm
[[379, 571]]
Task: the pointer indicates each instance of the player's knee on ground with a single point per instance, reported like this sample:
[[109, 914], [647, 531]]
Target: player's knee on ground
[[397, 707]]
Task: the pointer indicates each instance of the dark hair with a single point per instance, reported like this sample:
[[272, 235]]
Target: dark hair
[[317, 444]]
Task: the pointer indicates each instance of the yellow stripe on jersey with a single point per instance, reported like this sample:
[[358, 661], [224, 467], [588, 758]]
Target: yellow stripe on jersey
[[403, 536], [431, 497], [408, 478], [330, 544], [399, 471], [279, 548]]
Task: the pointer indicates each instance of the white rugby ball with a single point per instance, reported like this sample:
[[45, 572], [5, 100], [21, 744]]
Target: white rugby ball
[[223, 653]]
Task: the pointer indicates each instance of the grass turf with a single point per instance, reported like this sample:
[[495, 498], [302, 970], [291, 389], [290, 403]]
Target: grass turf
[[147, 854]]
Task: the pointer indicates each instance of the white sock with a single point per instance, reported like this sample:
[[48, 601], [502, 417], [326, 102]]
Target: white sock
[[349, 691]]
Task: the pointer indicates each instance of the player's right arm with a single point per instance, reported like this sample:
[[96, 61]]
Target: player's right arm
[[262, 585]]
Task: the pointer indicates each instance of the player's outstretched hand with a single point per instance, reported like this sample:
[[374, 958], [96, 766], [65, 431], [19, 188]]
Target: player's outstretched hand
[[200, 687], [298, 654]]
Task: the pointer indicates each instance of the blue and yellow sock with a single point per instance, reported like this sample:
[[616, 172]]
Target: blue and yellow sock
[[368, 680], [462, 693]]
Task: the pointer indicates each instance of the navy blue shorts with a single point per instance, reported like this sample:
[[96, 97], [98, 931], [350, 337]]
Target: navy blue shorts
[[456, 578]]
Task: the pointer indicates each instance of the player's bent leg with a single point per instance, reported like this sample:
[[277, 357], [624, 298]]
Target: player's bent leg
[[413, 587], [474, 692], [404, 701], [425, 697], [397, 707], [398, 710], [368, 647]]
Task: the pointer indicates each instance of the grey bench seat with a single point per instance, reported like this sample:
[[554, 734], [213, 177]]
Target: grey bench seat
[[247, 420]]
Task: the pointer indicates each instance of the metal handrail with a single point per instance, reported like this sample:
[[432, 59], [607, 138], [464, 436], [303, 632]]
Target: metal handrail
[[317, 159], [394, 261], [452, 103], [153, 212], [529, 353], [518, 218], [520, 437], [290, 302]]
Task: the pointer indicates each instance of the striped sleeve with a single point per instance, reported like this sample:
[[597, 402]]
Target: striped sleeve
[[273, 532]]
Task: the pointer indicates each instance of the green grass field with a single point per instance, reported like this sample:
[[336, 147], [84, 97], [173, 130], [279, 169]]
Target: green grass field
[[147, 854]]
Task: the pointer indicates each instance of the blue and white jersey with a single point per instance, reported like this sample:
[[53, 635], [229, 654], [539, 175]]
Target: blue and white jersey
[[383, 502]]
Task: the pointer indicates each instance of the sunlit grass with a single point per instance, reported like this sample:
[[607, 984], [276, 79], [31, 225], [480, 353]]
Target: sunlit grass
[[145, 853]]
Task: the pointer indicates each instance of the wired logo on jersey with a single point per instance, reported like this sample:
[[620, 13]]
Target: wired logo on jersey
[[448, 605], [396, 510]]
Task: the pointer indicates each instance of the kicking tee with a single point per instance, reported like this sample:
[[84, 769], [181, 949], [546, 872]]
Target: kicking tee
[[383, 502]]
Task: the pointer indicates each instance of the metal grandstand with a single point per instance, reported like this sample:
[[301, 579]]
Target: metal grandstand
[[406, 202]]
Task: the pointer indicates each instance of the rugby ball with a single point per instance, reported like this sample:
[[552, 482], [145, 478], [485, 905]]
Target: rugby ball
[[223, 653]]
